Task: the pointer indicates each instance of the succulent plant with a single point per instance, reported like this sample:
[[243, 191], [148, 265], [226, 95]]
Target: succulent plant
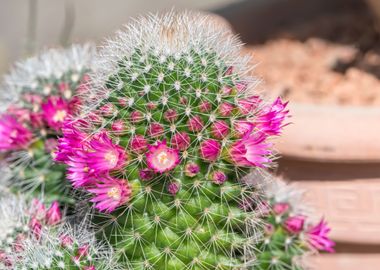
[[33, 236], [171, 124], [36, 97], [290, 233]]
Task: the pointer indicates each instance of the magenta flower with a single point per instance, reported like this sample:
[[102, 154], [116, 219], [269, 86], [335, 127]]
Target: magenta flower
[[37, 209], [13, 135], [241, 86], [66, 241], [55, 110], [205, 106], [242, 128], [226, 109], [317, 237], [136, 117], [210, 150], [35, 227], [294, 224], [146, 174], [195, 124], [53, 214], [103, 155], [118, 126], [173, 188], [280, 208], [78, 170], [110, 193], [138, 144], [248, 105], [218, 177], [155, 130], [170, 115], [192, 169], [107, 110], [251, 151], [220, 129], [271, 120], [180, 141], [161, 158]]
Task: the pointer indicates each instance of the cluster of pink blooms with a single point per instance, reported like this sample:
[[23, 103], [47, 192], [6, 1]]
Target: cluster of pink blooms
[[94, 161], [38, 113], [316, 236], [39, 217]]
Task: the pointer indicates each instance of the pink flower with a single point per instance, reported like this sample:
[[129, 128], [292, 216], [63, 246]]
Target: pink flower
[[83, 250], [218, 177], [151, 105], [247, 105], [22, 115], [173, 188], [242, 128], [183, 100], [161, 158], [317, 237], [225, 109], [138, 144], [280, 208], [35, 227], [229, 71], [192, 169], [220, 129], [210, 150], [53, 214], [13, 135], [205, 106], [195, 124], [136, 117], [103, 155], [250, 151], [146, 174], [170, 115], [241, 86], [108, 110], [37, 209], [271, 119], [78, 170], [89, 268], [155, 130], [294, 224], [66, 241], [180, 141], [55, 110], [36, 119], [118, 126], [110, 193]]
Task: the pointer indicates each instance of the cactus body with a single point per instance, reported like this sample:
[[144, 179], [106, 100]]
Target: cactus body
[[38, 95], [170, 127]]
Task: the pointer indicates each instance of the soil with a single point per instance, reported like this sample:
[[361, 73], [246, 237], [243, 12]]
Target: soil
[[334, 59]]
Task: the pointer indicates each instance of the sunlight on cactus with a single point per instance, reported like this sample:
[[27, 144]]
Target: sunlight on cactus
[[170, 125], [37, 96], [290, 235]]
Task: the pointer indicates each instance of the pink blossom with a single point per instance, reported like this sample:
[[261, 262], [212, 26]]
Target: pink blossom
[[229, 71], [151, 105], [195, 124], [83, 250], [136, 117], [170, 115], [205, 106], [251, 151], [210, 150], [146, 174], [53, 214], [294, 224], [78, 170], [18, 245], [118, 126], [220, 129], [66, 241], [318, 238], [21, 114], [271, 119], [218, 177], [242, 128], [37, 209], [35, 227], [161, 158], [36, 119], [155, 130], [248, 105], [173, 188], [104, 155], [280, 208], [138, 144], [55, 110], [192, 169], [241, 86], [180, 141], [226, 90], [108, 110], [13, 135], [89, 268], [183, 100], [225, 109], [110, 193]]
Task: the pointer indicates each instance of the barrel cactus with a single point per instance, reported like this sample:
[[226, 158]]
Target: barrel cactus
[[290, 233], [36, 97], [171, 124]]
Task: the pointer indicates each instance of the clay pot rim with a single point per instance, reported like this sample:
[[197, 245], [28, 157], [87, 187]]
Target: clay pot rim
[[332, 133]]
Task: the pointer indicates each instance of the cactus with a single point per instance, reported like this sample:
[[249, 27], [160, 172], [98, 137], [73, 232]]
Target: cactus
[[37, 96], [33, 237], [290, 235], [171, 124]]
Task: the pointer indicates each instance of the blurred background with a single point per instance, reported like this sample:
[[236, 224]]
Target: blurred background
[[322, 55]]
